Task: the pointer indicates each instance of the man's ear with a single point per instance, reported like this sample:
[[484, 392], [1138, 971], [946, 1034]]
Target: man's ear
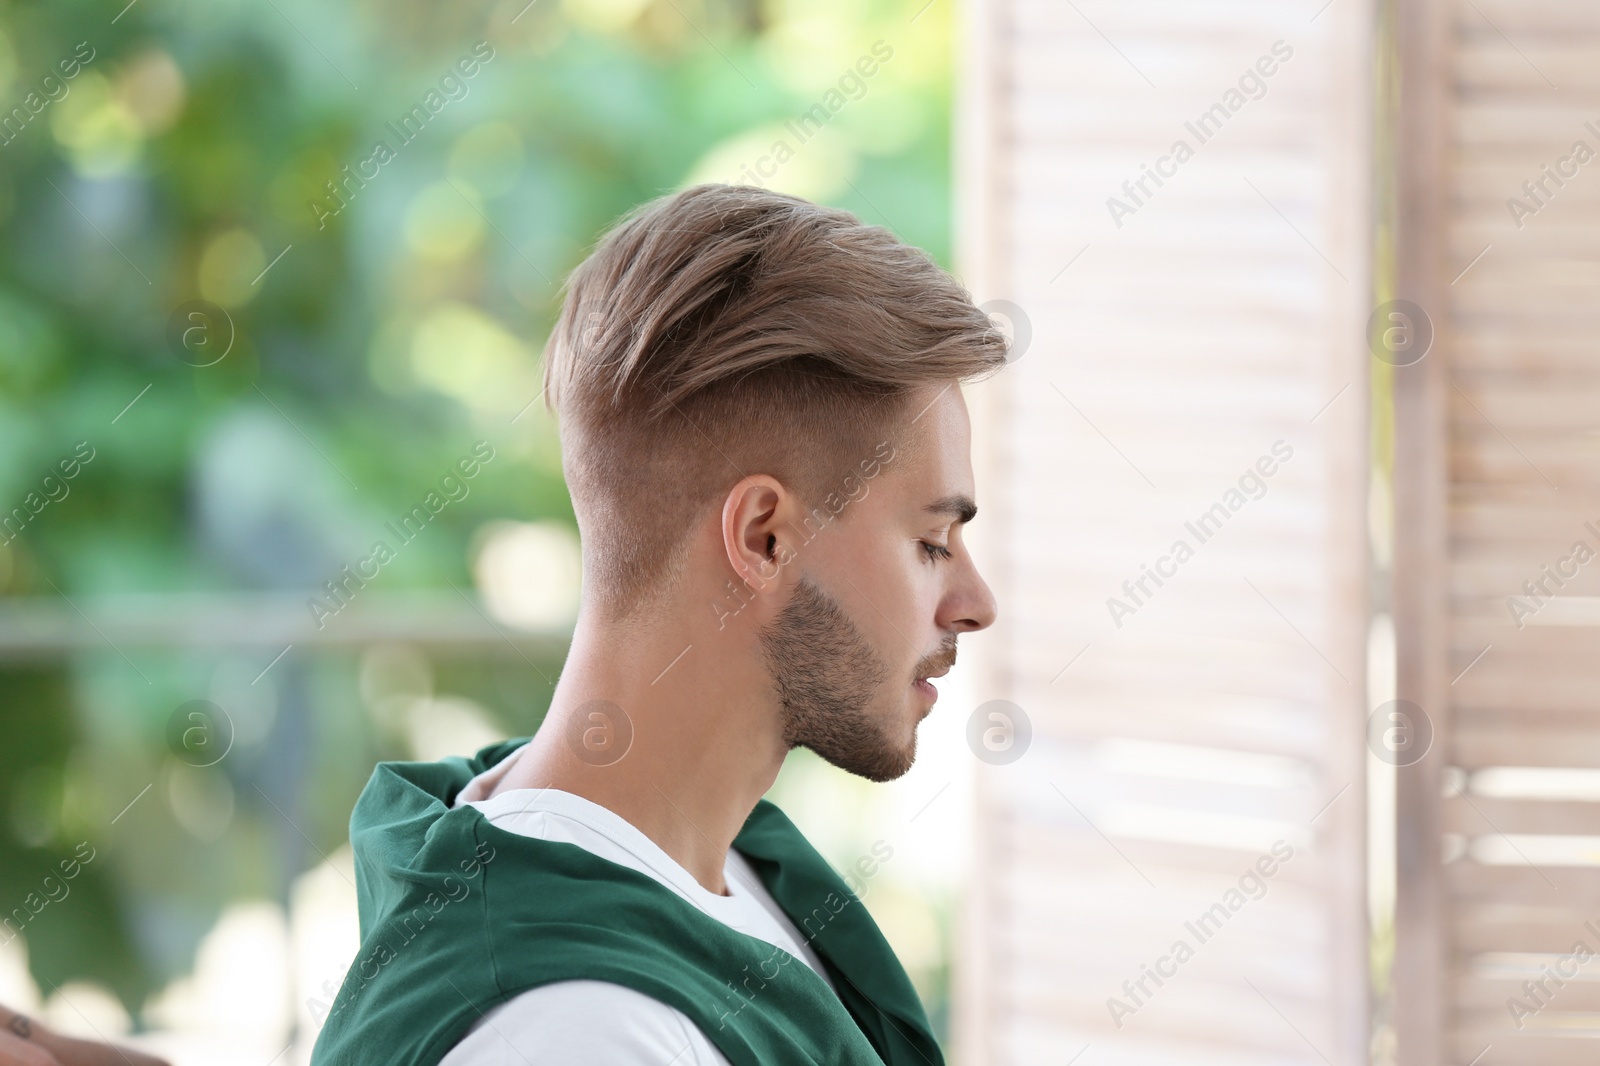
[[751, 530]]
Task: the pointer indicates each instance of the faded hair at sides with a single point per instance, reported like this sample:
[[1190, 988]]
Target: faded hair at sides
[[724, 331]]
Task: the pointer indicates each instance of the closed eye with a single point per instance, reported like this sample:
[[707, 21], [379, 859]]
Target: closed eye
[[935, 551]]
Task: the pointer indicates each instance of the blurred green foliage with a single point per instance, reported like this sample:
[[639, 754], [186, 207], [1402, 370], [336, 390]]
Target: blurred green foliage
[[184, 160]]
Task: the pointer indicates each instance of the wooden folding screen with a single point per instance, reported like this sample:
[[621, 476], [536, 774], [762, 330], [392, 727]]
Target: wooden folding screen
[[1497, 520], [1190, 368]]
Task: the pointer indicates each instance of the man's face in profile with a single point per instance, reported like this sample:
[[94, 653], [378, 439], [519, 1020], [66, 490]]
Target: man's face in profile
[[878, 602]]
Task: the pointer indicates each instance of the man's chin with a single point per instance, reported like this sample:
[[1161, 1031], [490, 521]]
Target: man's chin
[[881, 765], [899, 770]]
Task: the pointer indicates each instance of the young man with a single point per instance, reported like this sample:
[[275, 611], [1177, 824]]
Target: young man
[[768, 454]]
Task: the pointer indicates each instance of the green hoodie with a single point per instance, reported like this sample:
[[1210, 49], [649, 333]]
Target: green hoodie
[[458, 915]]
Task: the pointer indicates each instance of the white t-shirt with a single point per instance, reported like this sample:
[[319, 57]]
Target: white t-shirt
[[596, 1021]]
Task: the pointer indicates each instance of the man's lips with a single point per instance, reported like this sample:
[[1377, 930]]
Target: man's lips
[[922, 681]]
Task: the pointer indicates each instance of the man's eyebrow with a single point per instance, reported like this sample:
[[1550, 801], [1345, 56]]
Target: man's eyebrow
[[957, 506]]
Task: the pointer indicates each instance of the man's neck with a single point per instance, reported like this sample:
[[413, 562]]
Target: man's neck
[[706, 737]]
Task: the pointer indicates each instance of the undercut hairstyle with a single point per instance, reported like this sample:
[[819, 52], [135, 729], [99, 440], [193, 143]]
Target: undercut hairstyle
[[724, 331]]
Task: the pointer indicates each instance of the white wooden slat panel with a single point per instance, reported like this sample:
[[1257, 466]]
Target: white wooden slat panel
[[1227, 712], [1516, 385]]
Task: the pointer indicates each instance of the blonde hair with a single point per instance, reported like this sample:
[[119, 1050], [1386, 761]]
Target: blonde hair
[[723, 331]]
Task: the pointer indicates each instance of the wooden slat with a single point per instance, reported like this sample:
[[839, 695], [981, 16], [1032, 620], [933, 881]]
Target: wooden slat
[[1488, 814], [1505, 1041], [1509, 682], [1516, 744]]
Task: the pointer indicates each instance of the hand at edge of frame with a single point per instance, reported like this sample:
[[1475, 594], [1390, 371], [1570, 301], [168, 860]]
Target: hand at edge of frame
[[25, 1042]]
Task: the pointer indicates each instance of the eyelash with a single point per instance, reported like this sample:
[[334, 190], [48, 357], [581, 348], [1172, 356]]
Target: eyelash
[[935, 551]]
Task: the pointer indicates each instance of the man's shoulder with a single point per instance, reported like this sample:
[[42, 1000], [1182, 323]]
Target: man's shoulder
[[585, 1021]]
